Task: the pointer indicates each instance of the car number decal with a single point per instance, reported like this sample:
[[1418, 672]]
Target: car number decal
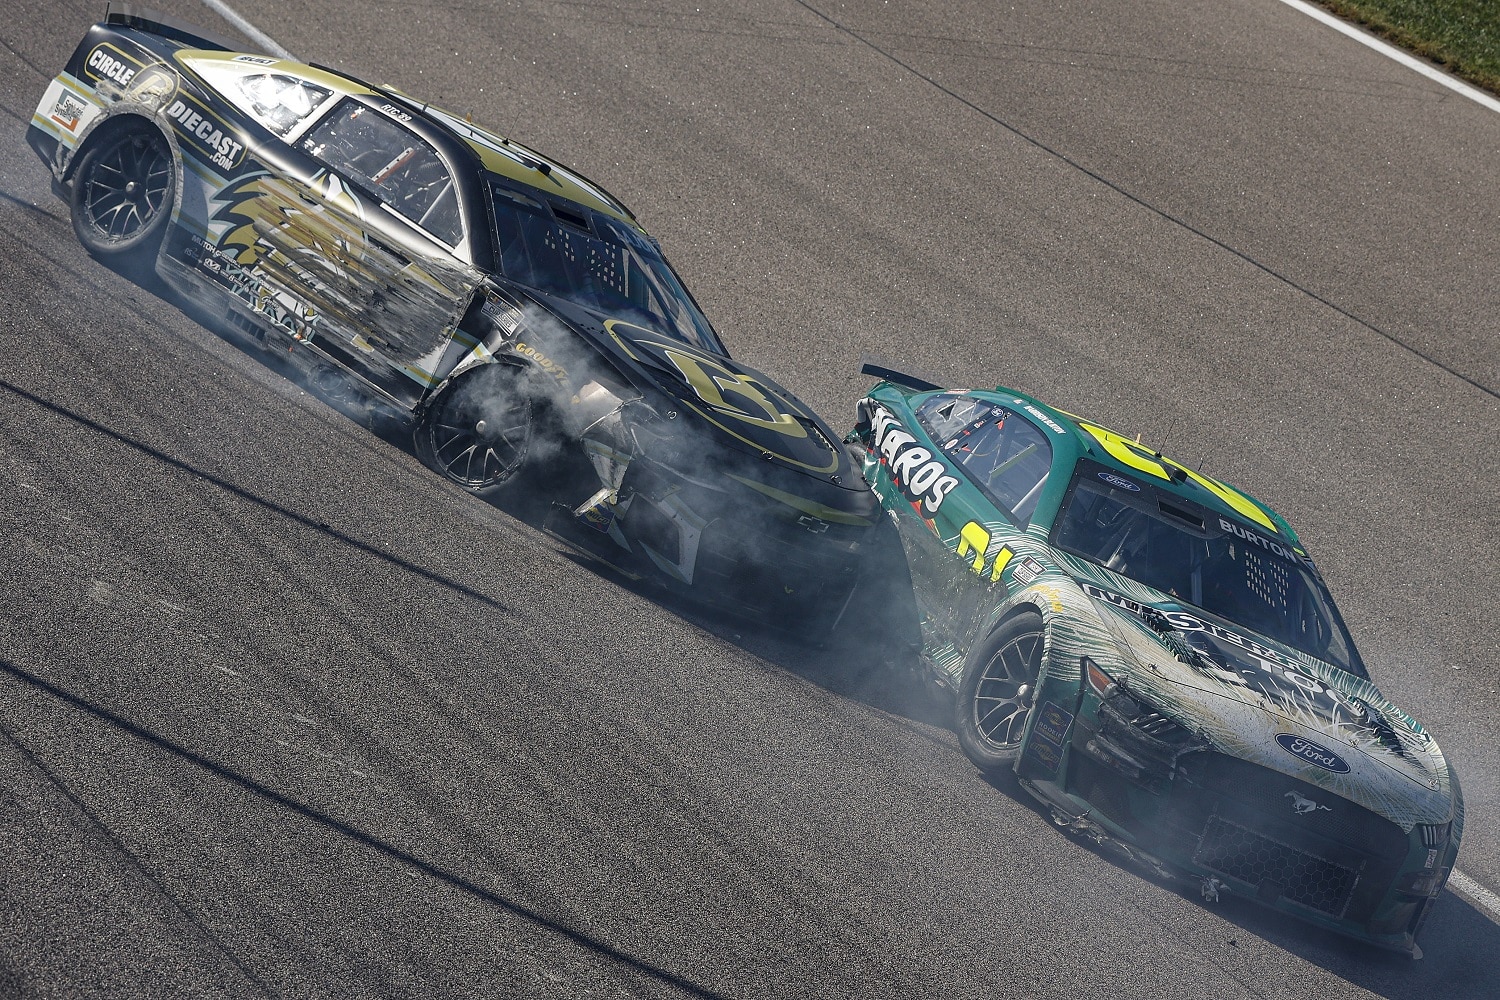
[[1155, 464], [975, 538], [729, 398], [719, 388]]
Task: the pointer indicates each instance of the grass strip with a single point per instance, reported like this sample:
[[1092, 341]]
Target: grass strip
[[1461, 36]]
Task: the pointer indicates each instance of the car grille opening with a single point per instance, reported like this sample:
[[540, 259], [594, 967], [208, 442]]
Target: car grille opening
[[1242, 821], [1278, 870], [1146, 733]]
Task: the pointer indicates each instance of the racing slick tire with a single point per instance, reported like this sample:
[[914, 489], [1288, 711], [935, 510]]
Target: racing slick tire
[[998, 691], [123, 189], [477, 430]]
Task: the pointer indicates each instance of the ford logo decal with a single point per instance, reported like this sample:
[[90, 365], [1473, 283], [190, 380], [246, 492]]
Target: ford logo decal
[[1313, 753], [1119, 481]]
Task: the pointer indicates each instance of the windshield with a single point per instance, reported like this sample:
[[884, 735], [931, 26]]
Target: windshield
[[1203, 559], [595, 261]]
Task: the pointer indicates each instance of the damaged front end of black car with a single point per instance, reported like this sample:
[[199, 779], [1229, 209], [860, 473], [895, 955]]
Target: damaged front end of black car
[[688, 467]]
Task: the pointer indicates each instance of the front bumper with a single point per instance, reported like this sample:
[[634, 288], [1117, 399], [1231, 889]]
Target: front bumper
[[1246, 830], [727, 544]]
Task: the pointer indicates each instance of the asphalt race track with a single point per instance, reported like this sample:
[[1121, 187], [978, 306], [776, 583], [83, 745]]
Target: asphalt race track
[[282, 714]]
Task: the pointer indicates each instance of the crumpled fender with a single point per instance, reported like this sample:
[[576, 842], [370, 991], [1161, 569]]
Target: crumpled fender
[[591, 404]]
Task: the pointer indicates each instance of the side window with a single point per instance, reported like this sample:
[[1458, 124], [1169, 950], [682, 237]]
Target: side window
[[588, 258], [1003, 453], [396, 166]]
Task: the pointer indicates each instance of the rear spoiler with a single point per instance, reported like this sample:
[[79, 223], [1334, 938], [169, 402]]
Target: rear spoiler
[[128, 15], [886, 370]]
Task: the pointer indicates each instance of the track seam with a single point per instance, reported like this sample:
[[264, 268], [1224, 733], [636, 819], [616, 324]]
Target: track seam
[[1160, 213]]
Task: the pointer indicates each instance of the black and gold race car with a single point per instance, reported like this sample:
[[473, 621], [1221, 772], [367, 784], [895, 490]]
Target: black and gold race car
[[510, 309]]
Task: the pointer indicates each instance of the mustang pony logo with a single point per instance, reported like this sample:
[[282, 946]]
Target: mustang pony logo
[[1302, 805]]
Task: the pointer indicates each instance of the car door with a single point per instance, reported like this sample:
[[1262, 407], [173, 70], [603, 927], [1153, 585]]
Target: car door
[[1005, 459], [409, 281], [926, 485], [354, 241]]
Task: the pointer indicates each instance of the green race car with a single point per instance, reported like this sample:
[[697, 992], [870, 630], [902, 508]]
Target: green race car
[[1156, 656]]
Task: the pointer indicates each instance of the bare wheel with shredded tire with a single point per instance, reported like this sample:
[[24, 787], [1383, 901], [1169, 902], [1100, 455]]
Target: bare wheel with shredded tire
[[998, 692], [477, 430]]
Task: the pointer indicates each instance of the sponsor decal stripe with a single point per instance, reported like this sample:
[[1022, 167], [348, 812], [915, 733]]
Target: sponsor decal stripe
[[52, 128], [417, 375], [68, 84], [923, 478], [211, 138], [106, 62]]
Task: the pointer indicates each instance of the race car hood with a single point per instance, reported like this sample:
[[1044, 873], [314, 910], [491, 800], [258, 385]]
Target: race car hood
[[1264, 702], [748, 411]]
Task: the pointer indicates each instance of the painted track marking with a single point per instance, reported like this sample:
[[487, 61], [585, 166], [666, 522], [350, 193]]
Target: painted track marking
[[1391, 52], [1476, 894]]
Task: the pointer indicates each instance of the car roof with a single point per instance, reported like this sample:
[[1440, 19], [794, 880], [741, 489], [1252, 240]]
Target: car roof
[[1076, 437], [496, 153], [520, 163]]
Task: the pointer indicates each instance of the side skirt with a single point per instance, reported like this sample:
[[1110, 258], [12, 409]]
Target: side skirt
[[308, 357]]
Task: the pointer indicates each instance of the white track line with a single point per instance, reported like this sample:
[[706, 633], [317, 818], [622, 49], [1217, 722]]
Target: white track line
[[1476, 893], [250, 31], [1409, 61]]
